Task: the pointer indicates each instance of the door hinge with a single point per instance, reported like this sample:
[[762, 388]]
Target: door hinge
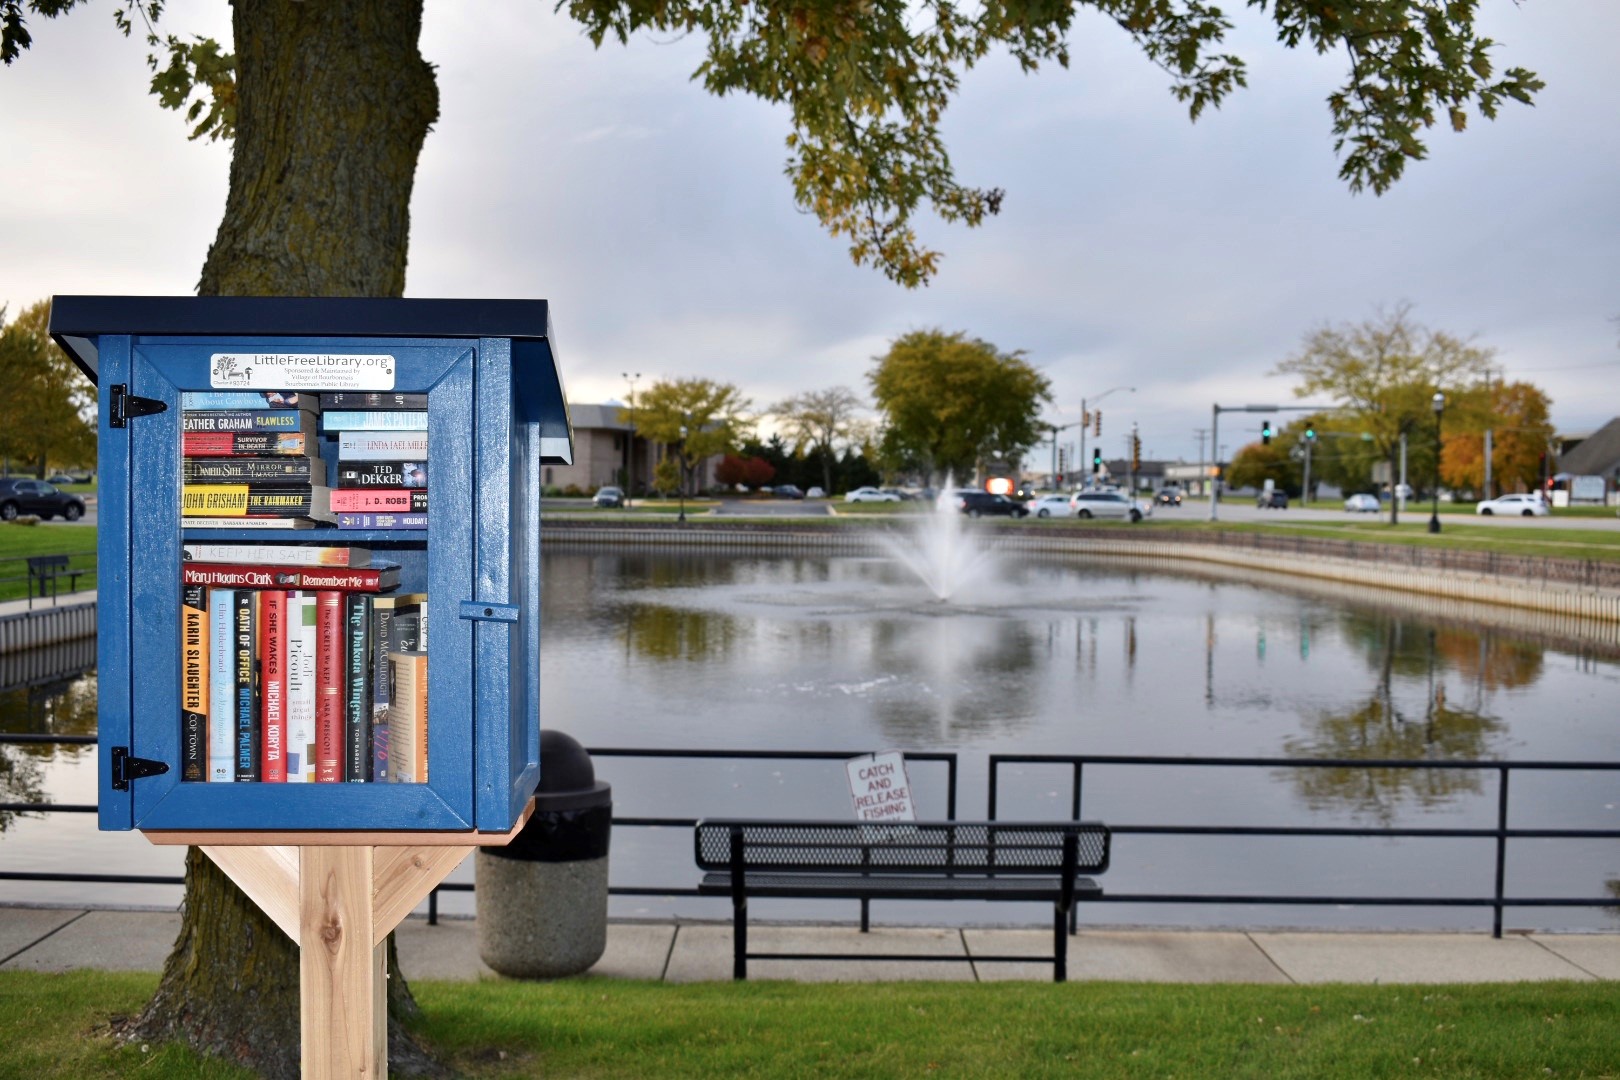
[[126, 767], [122, 405]]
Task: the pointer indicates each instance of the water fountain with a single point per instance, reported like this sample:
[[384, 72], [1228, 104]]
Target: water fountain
[[942, 553]]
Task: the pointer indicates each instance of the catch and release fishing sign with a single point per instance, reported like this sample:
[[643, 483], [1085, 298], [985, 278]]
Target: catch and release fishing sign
[[878, 784]]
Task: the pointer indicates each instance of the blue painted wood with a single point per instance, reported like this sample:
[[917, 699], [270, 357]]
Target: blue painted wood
[[487, 420], [115, 809]]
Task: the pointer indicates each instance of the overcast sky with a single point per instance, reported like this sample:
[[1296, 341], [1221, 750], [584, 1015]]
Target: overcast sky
[[1133, 248]]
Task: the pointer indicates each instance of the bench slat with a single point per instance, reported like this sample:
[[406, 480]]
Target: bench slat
[[897, 887]]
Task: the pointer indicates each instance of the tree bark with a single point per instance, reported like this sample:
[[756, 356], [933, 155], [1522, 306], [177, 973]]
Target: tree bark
[[334, 101]]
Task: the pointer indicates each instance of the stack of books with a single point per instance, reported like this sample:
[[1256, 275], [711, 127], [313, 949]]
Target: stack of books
[[252, 460], [299, 664], [382, 459]]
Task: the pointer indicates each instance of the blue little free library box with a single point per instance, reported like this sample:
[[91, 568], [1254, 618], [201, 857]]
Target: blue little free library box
[[269, 560]]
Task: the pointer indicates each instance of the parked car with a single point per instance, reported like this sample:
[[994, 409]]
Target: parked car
[[984, 504], [1169, 495], [1275, 499], [1109, 504], [609, 496], [1046, 506], [19, 495], [787, 491], [1362, 504], [815, 493], [870, 494], [1520, 505], [60, 478]]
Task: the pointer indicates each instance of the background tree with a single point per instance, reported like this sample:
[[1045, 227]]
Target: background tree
[[711, 412], [1383, 372], [48, 410], [955, 402], [816, 421], [1517, 415], [1256, 463]]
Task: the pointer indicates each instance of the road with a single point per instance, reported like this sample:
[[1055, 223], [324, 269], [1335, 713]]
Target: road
[[1198, 510]]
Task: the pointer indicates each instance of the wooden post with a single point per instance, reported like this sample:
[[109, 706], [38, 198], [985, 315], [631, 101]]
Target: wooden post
[[339, 895]]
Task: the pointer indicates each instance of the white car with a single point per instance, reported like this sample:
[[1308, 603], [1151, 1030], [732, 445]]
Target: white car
[[1046, 506], [870, 494], [1362, 504], [1108, 504], [1519, 505]]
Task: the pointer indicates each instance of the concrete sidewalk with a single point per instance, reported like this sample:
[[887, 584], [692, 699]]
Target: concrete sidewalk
[[62, 939]]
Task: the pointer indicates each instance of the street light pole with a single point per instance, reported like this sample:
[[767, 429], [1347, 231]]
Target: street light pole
[[1434, 511], [680, 467], [630, 446], [1085, 414]]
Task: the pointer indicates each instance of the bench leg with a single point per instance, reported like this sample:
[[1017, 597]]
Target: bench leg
[[866, 915], [1060, 944], [739, 939]]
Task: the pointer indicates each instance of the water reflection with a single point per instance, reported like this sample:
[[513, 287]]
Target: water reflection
[[49, 691]]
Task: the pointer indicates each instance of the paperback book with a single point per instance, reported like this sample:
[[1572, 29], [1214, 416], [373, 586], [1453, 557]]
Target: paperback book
[[252, 470], [375, 420], [247, 443], [250, 399], [248, 421], [348, 399], [277, 554], [383, 474], [381, 446], [382, 521], [372, 500]]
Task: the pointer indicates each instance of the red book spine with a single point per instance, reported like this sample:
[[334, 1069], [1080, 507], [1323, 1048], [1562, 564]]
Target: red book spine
[[273, 661], [234, 576], [329, 676]]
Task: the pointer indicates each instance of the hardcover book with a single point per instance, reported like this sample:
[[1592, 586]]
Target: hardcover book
[[280, 421], [250, 399], [346, 579], [273, 669], [246, 444], [375, 420], [276, 554], [251, 470], [349, 399], [408, 718], [245, 682], [194, 664], [382, 682], [357, 686], [300, 687], [382, 446], [221, 686], [329, 675], [383, 474], [374, 501], [382, 521], [406, 633]]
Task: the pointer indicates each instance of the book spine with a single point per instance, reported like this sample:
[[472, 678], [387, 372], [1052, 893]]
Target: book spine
[[370, 501], [247, 523], [407, 718], [275, 555], [245, 444], [300, 687], [353, 399], [228, 576], [279, 421], [221, 686], [233, 500], [382, 683], [357, 685], [382, 446], [249, 470], [381, 521], [273, 667], [375, 420], [329, 672], [249, 399], [194, 704], [383, 474], [245, 681]]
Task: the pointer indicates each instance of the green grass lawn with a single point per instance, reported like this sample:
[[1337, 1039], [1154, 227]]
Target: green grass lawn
[[19, 542], [56, 1026]]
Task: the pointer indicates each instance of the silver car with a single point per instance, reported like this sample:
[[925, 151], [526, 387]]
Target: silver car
[[1108, 504]]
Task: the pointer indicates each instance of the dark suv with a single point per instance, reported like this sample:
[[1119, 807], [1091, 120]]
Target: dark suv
[[19, 496], [983, 503]]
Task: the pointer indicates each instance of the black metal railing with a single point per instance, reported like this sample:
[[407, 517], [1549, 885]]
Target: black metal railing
[[19, 579], [1502, 832]]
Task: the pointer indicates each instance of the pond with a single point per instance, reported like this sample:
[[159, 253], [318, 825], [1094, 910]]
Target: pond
[[1033, 655]]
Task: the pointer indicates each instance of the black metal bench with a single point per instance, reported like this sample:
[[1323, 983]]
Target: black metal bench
[[926, 860], [48, 570]]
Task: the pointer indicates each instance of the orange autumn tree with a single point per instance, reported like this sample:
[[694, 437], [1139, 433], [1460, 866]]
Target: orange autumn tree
[[1517, 417]]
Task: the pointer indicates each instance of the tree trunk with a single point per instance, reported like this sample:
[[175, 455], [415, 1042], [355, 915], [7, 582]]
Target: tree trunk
[[334, 101]]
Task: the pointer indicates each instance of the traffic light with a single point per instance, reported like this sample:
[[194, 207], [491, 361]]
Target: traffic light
[[1096, 432], [1310, 433], [1085, 419], [1096, 460], [1063, 460], [1265, 432], [1136, 452]]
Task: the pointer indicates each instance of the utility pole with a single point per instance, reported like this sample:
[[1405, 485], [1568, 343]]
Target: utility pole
[[1203, 477], [630, 444]]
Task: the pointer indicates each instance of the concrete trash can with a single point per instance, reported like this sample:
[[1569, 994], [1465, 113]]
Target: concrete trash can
[[543, 898]]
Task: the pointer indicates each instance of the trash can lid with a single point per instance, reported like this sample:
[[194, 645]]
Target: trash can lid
[[567, 777]]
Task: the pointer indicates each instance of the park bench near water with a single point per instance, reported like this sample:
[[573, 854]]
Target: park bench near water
[[47, 571], [925, 860]]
